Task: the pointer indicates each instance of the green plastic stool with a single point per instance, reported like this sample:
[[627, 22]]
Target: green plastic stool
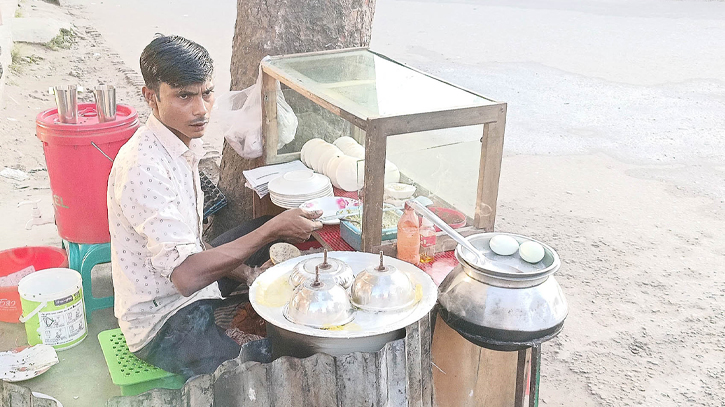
[[82, 258], [131, 374]]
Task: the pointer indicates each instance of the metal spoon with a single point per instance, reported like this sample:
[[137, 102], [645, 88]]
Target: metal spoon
[[482, 260]]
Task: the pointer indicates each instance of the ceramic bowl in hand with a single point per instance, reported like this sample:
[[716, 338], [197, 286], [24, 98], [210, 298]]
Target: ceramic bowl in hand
[[329, 206]]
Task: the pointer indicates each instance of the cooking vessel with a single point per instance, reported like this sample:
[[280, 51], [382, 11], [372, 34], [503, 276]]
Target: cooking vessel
[[368, 332], [500, 308]]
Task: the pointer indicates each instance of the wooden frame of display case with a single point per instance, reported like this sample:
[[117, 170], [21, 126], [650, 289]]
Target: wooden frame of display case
[[374, 131]]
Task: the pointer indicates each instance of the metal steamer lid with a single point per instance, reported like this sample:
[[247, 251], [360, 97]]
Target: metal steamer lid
[[330, 268], [525, 274]]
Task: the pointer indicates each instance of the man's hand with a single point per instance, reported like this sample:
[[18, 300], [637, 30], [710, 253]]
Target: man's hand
[[294, 225]]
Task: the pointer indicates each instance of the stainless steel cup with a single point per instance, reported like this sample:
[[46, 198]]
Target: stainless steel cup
[[67, 101], [105, 103]]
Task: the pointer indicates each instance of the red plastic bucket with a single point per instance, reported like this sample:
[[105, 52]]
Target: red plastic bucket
[[79, 158], [20, 258]]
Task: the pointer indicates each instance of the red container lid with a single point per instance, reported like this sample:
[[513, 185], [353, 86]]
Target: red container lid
[[40, 257], [51, 130], [451, 217]]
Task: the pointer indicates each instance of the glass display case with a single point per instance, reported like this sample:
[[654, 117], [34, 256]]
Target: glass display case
[[444, 140]]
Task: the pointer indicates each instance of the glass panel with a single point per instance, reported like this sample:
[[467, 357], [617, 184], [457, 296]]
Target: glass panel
[[443, 165], [368, 85], [313, 121]]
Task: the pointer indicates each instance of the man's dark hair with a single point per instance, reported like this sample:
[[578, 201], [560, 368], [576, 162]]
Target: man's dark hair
[[175, 60]]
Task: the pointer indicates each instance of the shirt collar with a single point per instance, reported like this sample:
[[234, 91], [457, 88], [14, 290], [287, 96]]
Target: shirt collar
[[173, 145]]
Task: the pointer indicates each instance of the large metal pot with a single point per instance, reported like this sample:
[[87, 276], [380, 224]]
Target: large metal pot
[[289, 343], [503, 310], [272, 291]]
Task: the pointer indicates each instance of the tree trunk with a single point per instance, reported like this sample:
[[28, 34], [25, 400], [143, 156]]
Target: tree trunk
[[276, 27]]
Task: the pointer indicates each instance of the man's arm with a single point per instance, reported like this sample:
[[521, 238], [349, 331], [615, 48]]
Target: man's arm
[[203, 268]]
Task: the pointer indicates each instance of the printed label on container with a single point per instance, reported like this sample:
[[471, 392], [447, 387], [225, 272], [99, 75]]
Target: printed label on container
[[427, 240], [62, 301], [6, 304], [62, 326]]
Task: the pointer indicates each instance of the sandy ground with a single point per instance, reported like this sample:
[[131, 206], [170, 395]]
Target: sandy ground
[[621, 172]]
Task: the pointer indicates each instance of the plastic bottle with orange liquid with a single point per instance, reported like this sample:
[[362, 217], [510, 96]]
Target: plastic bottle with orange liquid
[[409, 236]]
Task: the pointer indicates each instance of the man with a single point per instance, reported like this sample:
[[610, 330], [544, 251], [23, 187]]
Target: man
[[165, 280]]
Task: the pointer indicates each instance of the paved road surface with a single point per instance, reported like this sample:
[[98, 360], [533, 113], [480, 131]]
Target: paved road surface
[[637, 80]]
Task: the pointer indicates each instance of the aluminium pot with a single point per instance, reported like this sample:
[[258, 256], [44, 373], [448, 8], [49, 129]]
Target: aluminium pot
[[295, 344], [503, 310]]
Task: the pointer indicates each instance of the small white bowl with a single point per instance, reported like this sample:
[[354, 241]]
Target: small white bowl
[[399, 191]]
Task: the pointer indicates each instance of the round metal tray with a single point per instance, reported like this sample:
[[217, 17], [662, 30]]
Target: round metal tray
[[269, 295]]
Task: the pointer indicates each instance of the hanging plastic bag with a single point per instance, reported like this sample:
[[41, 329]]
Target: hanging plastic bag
[[239, 117]]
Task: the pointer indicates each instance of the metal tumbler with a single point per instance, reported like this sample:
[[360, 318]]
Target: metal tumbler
[[105, 103], [67, 101]]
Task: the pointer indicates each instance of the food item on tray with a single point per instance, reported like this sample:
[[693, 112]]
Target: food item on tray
[[531, 252], [280, 252], [390, 219], [503, 245]]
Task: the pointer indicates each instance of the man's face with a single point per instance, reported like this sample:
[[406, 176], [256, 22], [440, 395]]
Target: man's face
[[185, 110]]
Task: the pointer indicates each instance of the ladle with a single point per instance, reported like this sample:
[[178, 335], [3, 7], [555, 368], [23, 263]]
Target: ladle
[[482, 260]]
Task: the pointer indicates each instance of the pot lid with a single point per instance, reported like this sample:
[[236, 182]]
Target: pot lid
[[329, 269], [521, 270]]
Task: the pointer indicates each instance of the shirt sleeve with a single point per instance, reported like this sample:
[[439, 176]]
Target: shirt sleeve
[[151, 202]]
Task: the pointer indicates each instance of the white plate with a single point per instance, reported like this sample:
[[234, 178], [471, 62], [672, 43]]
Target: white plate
[[299, 182], [328, 154], [306, 147], [349, 174], [25, 363], [269, 295], [314, 152], [350, 147], [304, 197], [329, 206], [343, 142], [295, 203], [331, 169]]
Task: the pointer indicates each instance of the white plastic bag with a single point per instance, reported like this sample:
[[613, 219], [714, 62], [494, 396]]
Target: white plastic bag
[[239, 115]]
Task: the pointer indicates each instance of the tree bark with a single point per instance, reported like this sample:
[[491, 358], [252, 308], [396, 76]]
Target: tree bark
[[277, 27]]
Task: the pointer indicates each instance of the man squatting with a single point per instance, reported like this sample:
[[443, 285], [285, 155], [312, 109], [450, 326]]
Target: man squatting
[[166, 281]]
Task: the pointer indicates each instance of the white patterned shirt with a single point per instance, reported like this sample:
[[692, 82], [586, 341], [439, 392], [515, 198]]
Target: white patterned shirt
[[155, 206]]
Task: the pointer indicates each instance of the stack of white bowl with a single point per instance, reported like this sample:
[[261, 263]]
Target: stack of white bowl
[[343, 162], [294, 188]]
